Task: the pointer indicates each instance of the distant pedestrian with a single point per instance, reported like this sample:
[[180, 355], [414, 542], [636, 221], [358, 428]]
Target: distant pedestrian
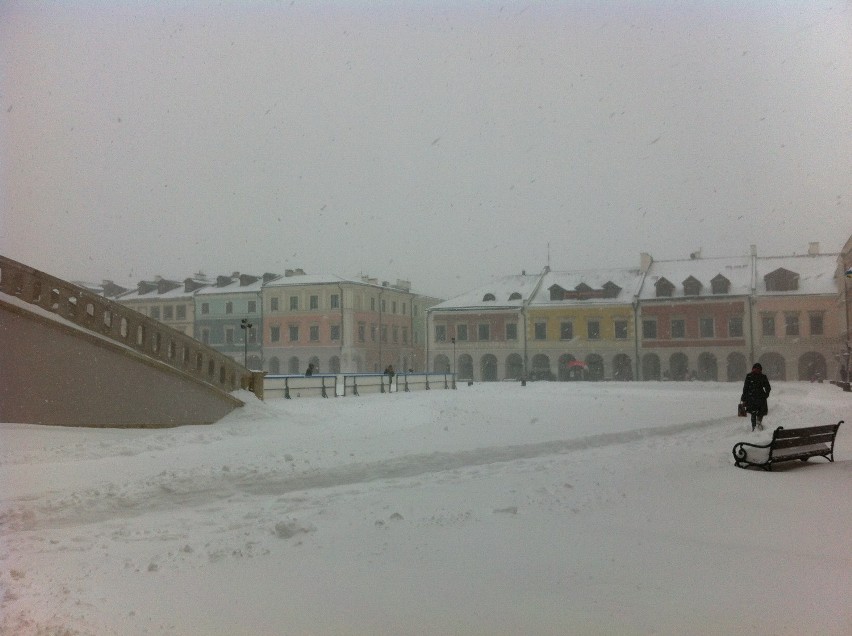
[[310, 369], [389, 371], [756, 390]]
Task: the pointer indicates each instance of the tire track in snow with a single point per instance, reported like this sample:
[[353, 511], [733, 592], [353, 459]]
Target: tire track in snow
[[98, 504]]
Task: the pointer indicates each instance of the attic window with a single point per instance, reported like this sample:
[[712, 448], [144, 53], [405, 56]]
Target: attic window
[[515, 296], [487, 297], [692, 286], [556, 292], [611, 290], [781, 280], [664, 288], [720, 285]]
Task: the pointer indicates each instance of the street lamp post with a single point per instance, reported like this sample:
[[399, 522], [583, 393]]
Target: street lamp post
[[453, 340], [245, 325]]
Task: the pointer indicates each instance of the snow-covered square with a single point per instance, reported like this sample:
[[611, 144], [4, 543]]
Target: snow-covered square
[[498, 509]]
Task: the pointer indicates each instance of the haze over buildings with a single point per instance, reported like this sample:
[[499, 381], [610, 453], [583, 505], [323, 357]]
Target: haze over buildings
[[443, 143]]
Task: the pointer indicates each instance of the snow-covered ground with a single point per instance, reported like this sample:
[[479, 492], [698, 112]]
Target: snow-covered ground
[[555, 508]]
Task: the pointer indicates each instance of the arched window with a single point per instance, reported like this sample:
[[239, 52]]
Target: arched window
[[488, 297]]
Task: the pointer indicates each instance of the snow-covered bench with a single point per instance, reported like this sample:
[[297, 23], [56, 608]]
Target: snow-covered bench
[[788, 445]]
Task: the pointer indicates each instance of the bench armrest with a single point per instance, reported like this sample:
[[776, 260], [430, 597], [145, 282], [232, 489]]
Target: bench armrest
[[741, 453]]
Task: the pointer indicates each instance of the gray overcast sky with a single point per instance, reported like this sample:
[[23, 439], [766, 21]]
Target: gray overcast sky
[[440, 142]]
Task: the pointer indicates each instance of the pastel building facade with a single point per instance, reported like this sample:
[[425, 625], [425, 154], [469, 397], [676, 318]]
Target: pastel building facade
[[690, 319], [229, 316], [338, 325], [796, 320], [168, 301]]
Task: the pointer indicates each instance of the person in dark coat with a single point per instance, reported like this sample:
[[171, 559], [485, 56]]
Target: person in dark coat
[[756, 390], [310, 369]]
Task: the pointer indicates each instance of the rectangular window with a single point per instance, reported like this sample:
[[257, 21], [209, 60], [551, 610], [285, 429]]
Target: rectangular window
[[512, 331], [484, 332], [335, 332], [405, 335], [540, 331], [155, 313], [594, 329], [706, 327], [735, 327], [294, 303], [461, 332], [168, 313], [205, 336], [816, 324], [440, 333], [205, 308], [273, 303], [678, 328], [566, 331], [393, 307], [372, 304], [374, 332], [767, 323], [649, 329], [313, 302], [403, 309], [621, 329], [229, 336], [395, 334], [384, 333], [335, 301], [274, 334], [384, 305], [362, 332], [314, 333], [252, 306], [181, 312], [294, 333], [229, 308], [791, 324]]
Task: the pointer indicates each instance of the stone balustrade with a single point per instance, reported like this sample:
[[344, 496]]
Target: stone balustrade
[[125, 326]]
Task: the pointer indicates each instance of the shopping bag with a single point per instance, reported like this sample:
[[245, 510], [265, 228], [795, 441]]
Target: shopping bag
[[741, 410]]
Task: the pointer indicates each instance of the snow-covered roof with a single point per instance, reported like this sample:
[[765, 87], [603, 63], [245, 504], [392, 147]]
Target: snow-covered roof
[[736, 269], [233, 287], [815, 271], [600, 286], [507, 292], [309, 279], [176, 293]]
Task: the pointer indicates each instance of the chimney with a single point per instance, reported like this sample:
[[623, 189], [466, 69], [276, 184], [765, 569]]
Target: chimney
[[813, 248]]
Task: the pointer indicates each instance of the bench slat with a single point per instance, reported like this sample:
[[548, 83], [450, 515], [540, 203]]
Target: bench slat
[[814, 449], [800, 432], [802, 441]]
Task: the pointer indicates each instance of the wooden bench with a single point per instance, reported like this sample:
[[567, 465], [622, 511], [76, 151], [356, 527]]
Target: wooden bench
[[788, 445]]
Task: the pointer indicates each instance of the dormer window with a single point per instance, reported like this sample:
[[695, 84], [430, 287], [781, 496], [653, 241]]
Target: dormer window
[[515, 296], [488, 297], [665, 288], [557, 292], [720, 285], [611, 290], [692, 286], [583, 291], [781, 280]]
